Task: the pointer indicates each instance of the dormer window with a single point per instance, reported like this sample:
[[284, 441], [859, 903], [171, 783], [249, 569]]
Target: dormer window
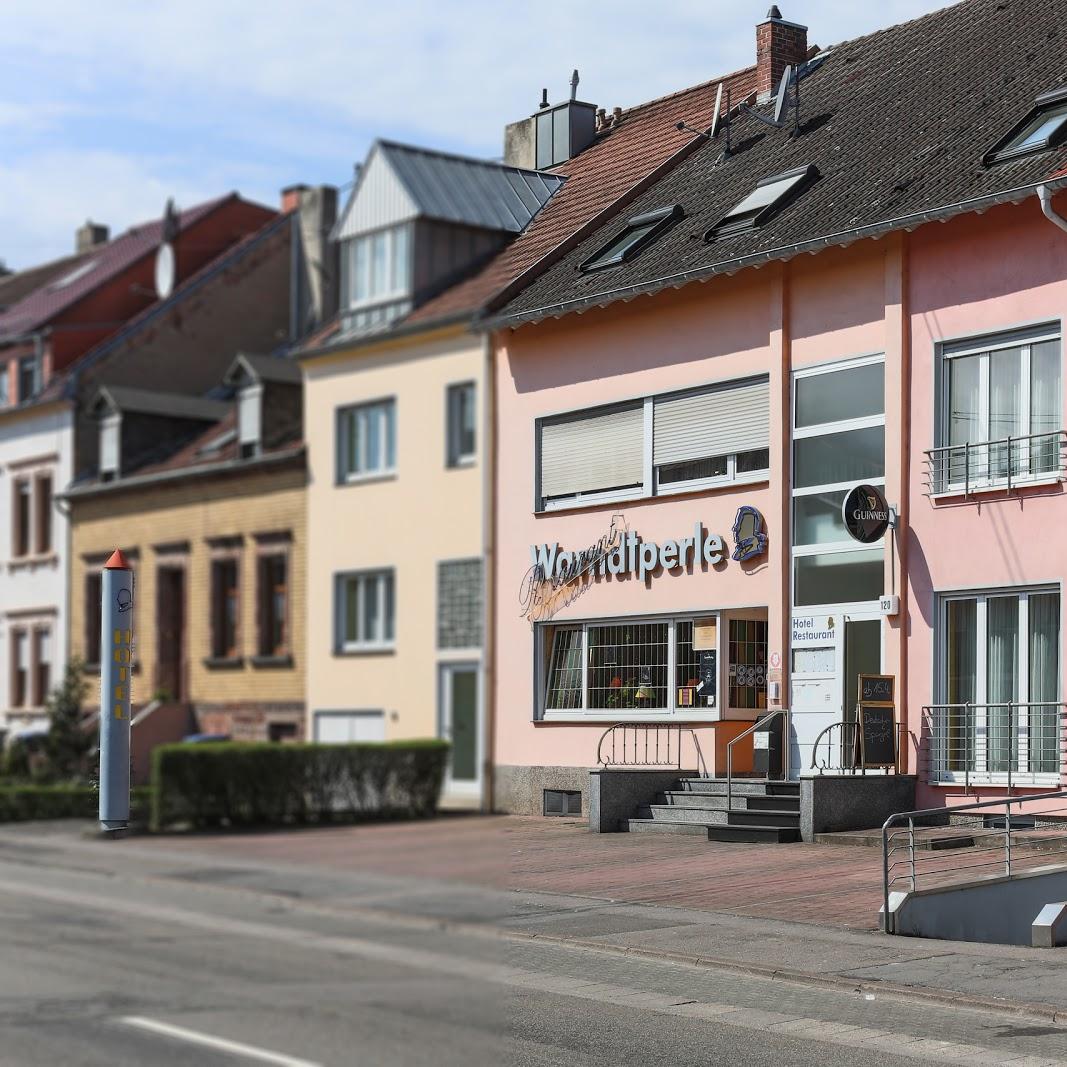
[[1044, 128], [379, 266], [640, 231], [769, 197], [250, 421]]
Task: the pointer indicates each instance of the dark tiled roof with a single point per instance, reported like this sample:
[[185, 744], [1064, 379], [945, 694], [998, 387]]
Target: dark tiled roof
[[896, 122], [278, 369], [51, 297], [151, 402]]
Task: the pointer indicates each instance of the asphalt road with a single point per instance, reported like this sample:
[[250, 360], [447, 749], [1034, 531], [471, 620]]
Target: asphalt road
[[116, 964]]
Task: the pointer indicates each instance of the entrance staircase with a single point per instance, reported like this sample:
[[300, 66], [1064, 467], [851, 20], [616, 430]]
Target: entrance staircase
[[763, 811]]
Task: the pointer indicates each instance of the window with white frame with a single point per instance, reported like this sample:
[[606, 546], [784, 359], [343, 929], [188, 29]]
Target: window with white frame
[[378, 266], [462, 421], [673, 442], [365, 610], [999, 685], [838, 441], [1000, 417], [627, 667], [366, 440]]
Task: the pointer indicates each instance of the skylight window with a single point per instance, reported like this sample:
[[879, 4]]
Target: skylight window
[[640, 231], [79, 272], [1045, 127], [768, 198]]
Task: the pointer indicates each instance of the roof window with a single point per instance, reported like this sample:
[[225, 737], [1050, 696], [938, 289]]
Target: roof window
[[768, 198], [640, 231], [79, 271], [1043, 128]]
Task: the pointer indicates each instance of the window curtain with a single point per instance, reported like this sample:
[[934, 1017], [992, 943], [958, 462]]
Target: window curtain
[[962, 682], [1044, 406], [1002, 682], [963, 403], [1044, 673], [1005, 411]]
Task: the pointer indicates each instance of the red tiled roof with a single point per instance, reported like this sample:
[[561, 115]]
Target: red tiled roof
[[48, 300], [645, 137]]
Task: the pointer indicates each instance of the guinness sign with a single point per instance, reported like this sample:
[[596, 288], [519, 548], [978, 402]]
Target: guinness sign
[[866, 514]]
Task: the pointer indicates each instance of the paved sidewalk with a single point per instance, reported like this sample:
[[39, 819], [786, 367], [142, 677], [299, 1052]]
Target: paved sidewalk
[[533, 880]]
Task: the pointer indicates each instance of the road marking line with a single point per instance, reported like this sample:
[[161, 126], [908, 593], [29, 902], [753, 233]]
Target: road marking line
[[219, 1044]]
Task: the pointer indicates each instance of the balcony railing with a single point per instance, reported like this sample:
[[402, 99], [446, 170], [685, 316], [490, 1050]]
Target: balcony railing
[[1007, 743], [1007, 463]]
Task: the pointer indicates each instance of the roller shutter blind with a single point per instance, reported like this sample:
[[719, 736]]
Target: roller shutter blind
[[592, 452], [715, 422]]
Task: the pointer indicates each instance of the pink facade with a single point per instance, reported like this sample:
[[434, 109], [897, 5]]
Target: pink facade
[[889, 303]]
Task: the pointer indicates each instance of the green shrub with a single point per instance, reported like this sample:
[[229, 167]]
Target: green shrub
[[235, 783], [19, 803]]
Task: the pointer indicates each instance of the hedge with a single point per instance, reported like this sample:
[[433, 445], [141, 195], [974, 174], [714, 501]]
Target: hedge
[[234, 783], [22, 802]]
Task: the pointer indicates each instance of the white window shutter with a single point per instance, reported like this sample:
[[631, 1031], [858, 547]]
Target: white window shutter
[[593, 452], [714, 422]]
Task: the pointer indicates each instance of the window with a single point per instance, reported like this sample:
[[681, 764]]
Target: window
[[250, 420], [281, 732], [838, 441], [20, 668], [273, 615], [365, 611], [5, 396], [21, 517], [635, 666], [29, 378], [225, 608], [695, 439], [1000, 413], [366, 440], [93, 594], [42, 666], [462, 421], [765, 201], [110, 446], [459, 604], [43, 539], [640, 231], [1000, 684], [1043, 128], [379, 265], [747, 676], [339, 727]]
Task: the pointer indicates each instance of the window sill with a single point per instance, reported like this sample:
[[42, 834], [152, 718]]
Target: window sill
[[996, 488], [367, 479], [271, 661], [690, 488], [223, 663], [609, 718], [365, 650], [462, 463], [49, 559]]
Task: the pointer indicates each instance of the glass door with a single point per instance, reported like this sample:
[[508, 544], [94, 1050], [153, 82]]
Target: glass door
[[863, 655], [461, 725]]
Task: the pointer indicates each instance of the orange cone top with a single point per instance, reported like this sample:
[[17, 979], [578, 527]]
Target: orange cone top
[[116, 562]]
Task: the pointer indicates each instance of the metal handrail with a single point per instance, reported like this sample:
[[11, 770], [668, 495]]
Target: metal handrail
[[943, 463], [786, 744], [844, 725], [926, 813], [653, 757]]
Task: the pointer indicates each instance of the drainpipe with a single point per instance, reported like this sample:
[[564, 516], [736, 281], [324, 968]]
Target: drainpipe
[[488, 672], [1044, 194]]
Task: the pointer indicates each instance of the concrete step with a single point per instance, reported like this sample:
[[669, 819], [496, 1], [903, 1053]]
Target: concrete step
[[741, 787], [651, 826], [717, 801], [764, 818], [755, 835], [711, 817]]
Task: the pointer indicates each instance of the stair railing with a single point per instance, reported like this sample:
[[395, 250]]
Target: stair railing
[[786, 744], [636, 744]]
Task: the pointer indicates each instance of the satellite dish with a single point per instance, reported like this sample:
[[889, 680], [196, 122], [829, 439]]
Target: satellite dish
[[715, 116], [165, 271], [779, 103]]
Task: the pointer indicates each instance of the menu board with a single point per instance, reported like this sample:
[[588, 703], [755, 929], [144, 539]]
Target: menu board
[[876, 689], [879, 731]]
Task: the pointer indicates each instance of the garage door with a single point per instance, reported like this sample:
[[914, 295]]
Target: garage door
[[340, 726]]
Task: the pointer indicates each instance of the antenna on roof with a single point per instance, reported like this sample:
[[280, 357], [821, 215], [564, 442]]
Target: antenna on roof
[[574, 85]]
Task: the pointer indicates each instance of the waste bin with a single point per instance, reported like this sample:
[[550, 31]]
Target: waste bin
[[767, 749]]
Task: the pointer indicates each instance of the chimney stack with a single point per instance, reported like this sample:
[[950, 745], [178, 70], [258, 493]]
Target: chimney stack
[[291, 197], [779, 44], [90, 235], [314, 282]]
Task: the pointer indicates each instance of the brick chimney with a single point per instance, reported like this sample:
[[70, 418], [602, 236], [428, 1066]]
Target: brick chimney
[[779, 44], [291, 197], [89, 236]]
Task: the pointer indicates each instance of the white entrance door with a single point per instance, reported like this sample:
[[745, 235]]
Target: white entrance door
[[461, 724]]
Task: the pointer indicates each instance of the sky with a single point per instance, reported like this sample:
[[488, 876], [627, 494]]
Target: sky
[[109, 108]]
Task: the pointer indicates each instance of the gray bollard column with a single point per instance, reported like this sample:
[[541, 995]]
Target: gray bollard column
[[116, 644]]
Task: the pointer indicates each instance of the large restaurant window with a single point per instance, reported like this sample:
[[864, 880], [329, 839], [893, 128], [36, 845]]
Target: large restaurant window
[[1000, 685], [1000, 412], [838, 441], [632, 667], [674, 442]]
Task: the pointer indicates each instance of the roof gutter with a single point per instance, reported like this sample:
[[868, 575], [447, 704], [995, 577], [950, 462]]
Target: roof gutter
[[812, 245]]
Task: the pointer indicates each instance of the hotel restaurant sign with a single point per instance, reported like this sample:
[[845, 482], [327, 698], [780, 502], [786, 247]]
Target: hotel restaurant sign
[[555, 577]]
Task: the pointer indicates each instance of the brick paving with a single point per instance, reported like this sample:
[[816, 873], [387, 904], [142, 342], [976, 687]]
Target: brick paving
[[823, 884]]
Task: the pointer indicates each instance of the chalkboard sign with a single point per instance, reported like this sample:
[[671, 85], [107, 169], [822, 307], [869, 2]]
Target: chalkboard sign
[[879, 728], [709, 677], [876, 689]]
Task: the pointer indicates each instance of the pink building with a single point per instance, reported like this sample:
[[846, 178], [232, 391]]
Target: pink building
[[685, 399]]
